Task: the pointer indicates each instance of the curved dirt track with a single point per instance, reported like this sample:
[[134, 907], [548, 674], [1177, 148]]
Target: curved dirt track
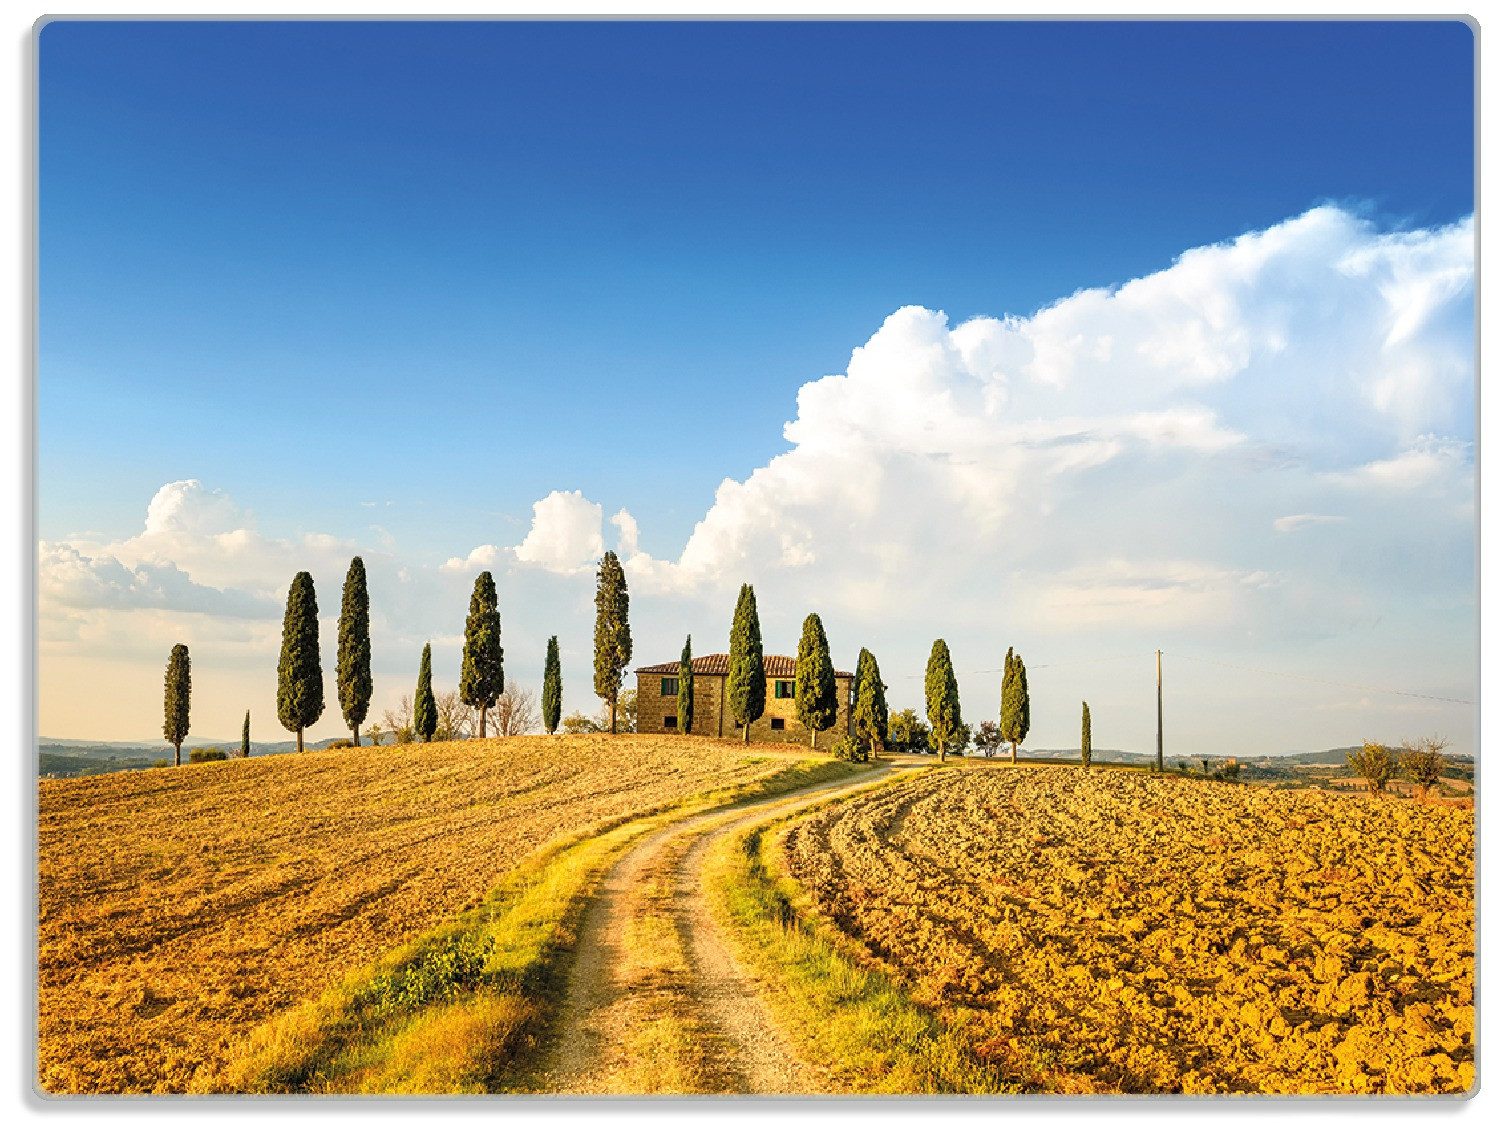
[[736, 1046]]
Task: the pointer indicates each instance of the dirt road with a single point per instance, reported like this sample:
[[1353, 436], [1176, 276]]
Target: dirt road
[[657, 1000]]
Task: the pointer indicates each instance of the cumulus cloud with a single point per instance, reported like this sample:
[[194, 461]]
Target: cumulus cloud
[[945, 455], [74, 580], [630, 531], [480, 557], [205, 533], [566, 534], [1100, 472]]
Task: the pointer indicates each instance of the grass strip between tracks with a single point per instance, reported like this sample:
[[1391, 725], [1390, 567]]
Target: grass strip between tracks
[[460, 1008]]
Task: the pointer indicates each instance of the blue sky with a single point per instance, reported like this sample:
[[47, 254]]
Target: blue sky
[[446, 269]]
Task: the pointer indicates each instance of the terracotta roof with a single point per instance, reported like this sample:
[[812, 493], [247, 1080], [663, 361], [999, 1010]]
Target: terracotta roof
[[777, 666]]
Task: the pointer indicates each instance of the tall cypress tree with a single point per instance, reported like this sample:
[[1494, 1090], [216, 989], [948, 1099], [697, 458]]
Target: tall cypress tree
[[747, 669], [179, 689], [1087, 747], [355, 684], [245, 736], [871, 716], [482, 679], [299, 672], [685, 688], [815, 692], [1015, 703], [424, 705], [552, 688], [611, 632], [943, 712]]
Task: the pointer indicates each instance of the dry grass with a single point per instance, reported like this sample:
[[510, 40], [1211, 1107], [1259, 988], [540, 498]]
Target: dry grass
[[179, 908], [1125, 932], [374, 1030], [668, 1047]]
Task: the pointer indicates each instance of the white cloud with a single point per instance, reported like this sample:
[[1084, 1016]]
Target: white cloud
[[205, 533], [944, 455], [630, 532], [1120, 592], [70, 579], [1431, 461], [480, 557], [1097, 475], [566, 535], [1288, 523]]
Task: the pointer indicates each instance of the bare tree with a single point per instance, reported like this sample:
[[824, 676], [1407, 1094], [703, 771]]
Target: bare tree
[[515, 712], [455, 721], [398, 721]]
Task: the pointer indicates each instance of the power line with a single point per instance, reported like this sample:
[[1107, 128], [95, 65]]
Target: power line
[[1324, 681], [1044, 666], [1230, 666]]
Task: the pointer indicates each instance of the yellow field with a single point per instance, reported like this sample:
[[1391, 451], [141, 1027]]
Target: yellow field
[[181, 907], [1115, 931]]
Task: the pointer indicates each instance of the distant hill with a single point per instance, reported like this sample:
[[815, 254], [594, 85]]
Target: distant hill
[[1328, 757], [58, 757]]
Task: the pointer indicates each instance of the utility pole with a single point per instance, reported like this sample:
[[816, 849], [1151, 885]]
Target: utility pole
[[1158, 710]]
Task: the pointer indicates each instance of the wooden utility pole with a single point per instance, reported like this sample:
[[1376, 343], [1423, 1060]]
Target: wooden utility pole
[[1158, 711]]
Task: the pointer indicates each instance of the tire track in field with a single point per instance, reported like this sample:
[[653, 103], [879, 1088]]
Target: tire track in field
[[740, 1049]]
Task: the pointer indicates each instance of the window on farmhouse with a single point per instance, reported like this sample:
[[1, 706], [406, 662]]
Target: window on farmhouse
[[669, 721], [785, 688], [778, 723], [669, 688]]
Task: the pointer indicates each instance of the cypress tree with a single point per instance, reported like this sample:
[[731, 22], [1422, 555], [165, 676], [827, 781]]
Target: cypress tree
[[482, 679], [355, 684], [815, 692], [747, 669], [1088, 738], [611, 632], [424, 706], [871, 716], [685, 688], [552, 688], [943, 713], [1015, 703], [245, 736], [179, 688], [299, 673]]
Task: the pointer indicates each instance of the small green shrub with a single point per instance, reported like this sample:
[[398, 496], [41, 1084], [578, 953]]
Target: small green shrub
[[908, 733], [846, 747], [1375, 764], [199, 756], [344, 744], [1422, 763], [443, 970]]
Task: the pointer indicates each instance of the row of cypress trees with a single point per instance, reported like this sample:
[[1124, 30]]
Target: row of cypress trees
[[481, 678], [300, 703]]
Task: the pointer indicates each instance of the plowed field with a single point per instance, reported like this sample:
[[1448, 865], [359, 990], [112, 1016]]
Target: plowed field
[[1132, 933], [179, 907]]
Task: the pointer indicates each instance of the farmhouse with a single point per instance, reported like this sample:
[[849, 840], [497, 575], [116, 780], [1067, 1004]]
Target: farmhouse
[[656, 700]]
